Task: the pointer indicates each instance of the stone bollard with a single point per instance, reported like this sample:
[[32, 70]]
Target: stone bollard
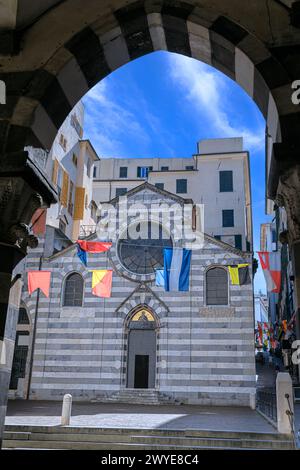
[[284, 388], [252, 401], [66, 410]]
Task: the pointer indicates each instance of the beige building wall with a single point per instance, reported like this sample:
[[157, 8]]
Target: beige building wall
[[203, 185]]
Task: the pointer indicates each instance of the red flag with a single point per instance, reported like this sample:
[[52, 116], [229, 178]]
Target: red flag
[[94, 247], [39, 280], [38, 222], [271, 265]]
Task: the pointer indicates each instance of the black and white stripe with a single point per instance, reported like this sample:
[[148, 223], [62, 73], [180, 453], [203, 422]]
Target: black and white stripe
[[43, 99]]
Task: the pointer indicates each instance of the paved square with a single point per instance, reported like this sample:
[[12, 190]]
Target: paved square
[[104, 415]]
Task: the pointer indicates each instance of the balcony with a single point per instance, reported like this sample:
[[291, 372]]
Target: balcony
[[86, 230]]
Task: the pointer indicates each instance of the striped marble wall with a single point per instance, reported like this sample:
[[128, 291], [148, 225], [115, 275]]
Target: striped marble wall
[[204, 354]]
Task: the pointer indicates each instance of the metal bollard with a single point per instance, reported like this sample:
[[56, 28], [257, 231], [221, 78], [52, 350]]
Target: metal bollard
[[66, 410]]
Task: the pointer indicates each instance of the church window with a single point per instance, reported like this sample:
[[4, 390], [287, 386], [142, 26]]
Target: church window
[[144, 254], [73, 291], [216, 286]]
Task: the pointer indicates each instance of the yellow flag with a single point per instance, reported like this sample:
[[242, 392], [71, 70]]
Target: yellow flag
[[237, 275], [234, 275]]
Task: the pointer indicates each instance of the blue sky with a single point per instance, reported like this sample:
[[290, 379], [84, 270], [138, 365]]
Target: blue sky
[[161, 104]]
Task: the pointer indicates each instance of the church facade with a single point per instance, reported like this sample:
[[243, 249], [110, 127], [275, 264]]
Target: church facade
[[195, 346]]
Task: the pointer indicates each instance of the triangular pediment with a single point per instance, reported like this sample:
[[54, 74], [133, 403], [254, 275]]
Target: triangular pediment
[[149, 193], [143, 295]]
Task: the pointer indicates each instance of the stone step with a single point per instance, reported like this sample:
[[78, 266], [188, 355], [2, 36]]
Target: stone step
[[118, 446], [43, 437], [139, 396], [159, 444], [12, 437], [32, 429]]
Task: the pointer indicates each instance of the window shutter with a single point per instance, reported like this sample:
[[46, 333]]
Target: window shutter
[[226, 181], [181, 186], [238, 241], [228, 218], [54, 171], [64, 190], [79, 203]]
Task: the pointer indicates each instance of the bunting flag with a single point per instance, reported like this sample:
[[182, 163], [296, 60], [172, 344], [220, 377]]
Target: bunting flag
[[101, 282], [159, 278], [39, 280], [239, 274], [260, 331], [271, 266], [81, 254], [177, 262], [284, 325], [280, 333], [94, 247], [84, 247], [266, 328]]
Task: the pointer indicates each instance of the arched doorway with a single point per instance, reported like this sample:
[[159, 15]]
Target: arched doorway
[[141, 351]]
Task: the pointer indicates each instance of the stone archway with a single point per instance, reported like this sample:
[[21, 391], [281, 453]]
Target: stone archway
[[49, 73], [48, 64], [141, 349]]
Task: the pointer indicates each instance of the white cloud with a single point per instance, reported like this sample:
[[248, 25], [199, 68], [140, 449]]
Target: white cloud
[[109, 125], [208, 92]]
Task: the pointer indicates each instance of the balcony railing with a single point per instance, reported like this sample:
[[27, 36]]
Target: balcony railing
[[86, 230]]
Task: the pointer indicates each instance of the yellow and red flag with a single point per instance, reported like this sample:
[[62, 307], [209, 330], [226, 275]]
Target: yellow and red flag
[[101, 282]]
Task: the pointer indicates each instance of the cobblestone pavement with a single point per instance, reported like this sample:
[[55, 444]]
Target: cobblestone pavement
[[142, 416]]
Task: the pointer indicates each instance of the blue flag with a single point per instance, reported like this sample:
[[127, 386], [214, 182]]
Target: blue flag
[[159, 278], [177, 262], [82, 255], [144, 172]]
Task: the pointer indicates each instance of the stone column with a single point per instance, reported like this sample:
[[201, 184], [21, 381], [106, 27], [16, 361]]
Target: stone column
[[23, 189], [284, 398], [10, 293]]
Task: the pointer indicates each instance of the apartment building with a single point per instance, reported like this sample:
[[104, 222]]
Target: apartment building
[[71, 165], [217, 176]]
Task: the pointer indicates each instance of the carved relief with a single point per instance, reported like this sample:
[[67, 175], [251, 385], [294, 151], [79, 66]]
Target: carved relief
[[18, 202]]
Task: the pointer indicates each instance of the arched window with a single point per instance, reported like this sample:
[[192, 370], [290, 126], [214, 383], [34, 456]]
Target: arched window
[[73, 291], [216, 286]]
